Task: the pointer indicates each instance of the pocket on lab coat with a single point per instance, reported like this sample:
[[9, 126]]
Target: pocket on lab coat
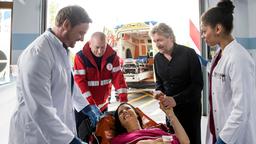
[[32, 135], [219, 82]]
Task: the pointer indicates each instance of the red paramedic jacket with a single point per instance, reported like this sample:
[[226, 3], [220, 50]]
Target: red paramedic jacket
[[94, 84]]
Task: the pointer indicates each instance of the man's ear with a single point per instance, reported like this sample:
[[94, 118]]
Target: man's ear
[[66, 24]]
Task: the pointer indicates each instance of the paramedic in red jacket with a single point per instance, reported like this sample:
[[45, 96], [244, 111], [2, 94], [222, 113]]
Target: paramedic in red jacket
[[96, 68]]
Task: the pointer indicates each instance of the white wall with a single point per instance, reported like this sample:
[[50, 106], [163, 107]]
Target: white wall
[[26, 16], [244, 25], [241, 22], [26, 25], [252, 18], [244, 22]]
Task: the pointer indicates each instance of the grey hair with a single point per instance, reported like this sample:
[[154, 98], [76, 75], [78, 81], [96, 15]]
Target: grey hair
[[164, 30]]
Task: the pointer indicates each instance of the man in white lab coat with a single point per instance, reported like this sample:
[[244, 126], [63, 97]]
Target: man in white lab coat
[[45, 88]]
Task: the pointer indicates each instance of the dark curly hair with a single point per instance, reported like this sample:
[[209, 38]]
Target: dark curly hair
[[221, 14], [119, 128]]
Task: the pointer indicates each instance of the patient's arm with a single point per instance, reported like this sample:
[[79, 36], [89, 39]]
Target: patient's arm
[[177, 127]]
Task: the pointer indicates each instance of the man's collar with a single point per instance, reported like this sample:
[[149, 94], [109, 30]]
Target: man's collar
[[63, 44]]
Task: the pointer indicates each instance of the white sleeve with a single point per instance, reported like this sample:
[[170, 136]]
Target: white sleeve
[[79, 101], [242, 81]]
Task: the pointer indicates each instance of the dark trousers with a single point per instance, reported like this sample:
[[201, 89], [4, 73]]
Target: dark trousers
[[83, 126], [189, 115]]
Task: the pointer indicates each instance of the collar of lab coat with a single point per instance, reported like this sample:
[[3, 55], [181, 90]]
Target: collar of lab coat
[[228, 47], [59, 46], [57, 41]]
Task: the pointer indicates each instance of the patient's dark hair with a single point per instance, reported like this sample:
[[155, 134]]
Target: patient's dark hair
[[119, 127]]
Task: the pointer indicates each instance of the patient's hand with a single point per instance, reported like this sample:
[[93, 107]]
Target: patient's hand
[[168, 102], [168, 110], [158, 95], [156, 141]]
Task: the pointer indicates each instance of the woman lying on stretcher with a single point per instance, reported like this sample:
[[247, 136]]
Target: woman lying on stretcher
[[129, 128]]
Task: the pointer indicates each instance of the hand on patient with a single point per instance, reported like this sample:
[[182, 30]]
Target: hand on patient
[[168, 111], [93, 112], [167, 101], [158, 94]]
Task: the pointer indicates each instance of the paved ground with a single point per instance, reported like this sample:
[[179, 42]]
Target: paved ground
[[138, 97]]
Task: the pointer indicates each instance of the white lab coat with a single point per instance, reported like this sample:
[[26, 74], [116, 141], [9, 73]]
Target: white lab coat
[[45, 113], [234, 96]]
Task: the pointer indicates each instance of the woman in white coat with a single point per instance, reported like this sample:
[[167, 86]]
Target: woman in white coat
[[232, 95], [46, 95]]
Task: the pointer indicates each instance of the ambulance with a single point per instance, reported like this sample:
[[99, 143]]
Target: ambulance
[[134, 46]]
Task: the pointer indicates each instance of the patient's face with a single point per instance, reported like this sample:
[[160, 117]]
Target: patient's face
[[127, 115]]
